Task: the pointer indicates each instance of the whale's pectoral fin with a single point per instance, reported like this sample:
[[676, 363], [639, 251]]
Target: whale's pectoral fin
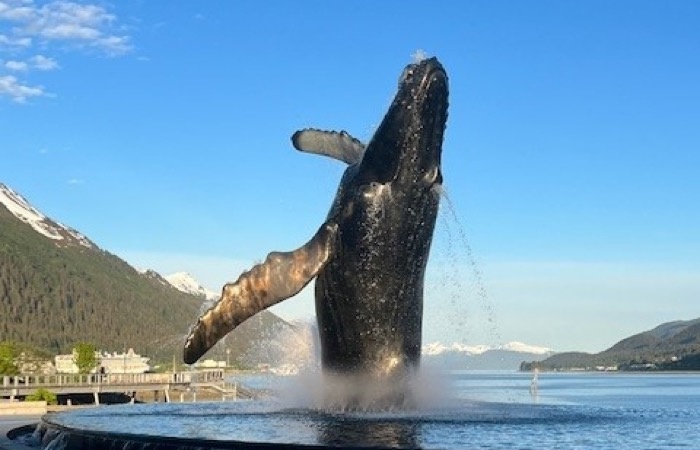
[[282, 275], [338, 145]]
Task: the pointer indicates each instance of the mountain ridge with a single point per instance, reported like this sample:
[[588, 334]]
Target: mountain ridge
[[436, 348], [16, 204], [668, 346], [58, 288]]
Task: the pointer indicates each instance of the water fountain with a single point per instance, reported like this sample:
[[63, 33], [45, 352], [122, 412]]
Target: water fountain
[[285, 422], [495, 410], [369, 261], [484, 410]]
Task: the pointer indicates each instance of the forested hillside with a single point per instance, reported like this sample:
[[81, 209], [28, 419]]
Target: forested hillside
[[670, 346], [54, 294]]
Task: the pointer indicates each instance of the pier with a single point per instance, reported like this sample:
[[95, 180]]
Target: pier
[[66, 384]]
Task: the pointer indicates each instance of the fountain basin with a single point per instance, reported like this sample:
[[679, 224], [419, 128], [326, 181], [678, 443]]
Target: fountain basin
[[223, 425], [486, 410], [54, 434], [266, 424]]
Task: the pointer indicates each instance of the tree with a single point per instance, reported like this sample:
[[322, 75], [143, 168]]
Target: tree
[[8, 353], [43, 394], [84, 357]]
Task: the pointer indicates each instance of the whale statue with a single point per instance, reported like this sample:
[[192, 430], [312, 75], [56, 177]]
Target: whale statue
[[369, 256]]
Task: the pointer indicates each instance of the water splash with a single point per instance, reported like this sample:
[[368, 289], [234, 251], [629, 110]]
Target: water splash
[[418, 56], [288, 350], [452, 249], [311, 389]]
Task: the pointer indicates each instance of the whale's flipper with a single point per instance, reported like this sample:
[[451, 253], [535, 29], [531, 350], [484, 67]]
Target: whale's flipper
[[338, 145], [282, 275]]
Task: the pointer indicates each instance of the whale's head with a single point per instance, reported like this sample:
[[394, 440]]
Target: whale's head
[[407, 146]]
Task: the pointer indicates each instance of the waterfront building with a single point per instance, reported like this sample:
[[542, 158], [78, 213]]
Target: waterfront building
[[210, 364], [126, 362]]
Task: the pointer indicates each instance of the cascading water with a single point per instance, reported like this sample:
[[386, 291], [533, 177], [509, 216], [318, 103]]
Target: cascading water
[[455, 278]]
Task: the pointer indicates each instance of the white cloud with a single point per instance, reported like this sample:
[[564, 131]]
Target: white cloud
[[74, 181], [16, 10], [79, 24], [39, 62], [42, 62], [113, 45], [6, 41], [72, 26], [69, 31], [18, 66], [17, 91]]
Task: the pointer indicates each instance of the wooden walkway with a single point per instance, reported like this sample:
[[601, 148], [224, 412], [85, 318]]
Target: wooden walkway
[[22, 385]]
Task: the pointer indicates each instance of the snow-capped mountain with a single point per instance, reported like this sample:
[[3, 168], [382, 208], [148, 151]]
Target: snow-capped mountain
[[84, 292], [63, 235], [475, 357], [519, 347], [438, 348], [184, 282], [20, 208]]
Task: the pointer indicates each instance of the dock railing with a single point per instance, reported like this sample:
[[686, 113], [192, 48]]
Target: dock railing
[[114, 382]]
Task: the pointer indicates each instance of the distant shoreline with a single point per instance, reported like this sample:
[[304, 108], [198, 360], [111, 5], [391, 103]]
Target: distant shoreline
[[616, 372]]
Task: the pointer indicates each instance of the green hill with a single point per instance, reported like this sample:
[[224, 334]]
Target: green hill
[[670, 346], [57, 292]]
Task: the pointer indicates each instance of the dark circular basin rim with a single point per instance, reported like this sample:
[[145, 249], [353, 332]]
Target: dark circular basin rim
[[93, 439]]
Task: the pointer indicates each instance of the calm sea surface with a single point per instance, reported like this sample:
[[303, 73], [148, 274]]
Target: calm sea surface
[[478, 410]]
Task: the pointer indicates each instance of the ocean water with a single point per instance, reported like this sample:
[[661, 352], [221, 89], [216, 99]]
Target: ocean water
[[469, 410]]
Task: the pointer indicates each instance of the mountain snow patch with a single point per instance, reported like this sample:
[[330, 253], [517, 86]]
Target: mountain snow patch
[[184, 282], [25, 212], [438, 348], [519, 347]]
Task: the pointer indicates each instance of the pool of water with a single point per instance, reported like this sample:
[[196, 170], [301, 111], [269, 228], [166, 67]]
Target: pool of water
[[491, 410]]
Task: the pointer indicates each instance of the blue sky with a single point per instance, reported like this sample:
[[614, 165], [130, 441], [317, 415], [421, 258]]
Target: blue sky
[[161, 131]]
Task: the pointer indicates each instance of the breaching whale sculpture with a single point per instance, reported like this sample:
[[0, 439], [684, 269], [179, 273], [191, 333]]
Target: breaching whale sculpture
[[370, 255]]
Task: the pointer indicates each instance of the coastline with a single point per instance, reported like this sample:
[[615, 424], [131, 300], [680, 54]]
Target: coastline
[[614, 372]]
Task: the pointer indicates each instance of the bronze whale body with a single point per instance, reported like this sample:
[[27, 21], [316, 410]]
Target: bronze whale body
[[369, 256]]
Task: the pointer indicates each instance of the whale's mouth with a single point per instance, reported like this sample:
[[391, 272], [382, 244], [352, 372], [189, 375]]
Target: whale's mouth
[[407, 146]]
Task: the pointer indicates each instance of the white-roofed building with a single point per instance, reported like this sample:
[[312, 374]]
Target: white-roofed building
[[126, 362]]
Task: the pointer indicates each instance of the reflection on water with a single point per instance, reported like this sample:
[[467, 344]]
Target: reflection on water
[[345, 432]]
